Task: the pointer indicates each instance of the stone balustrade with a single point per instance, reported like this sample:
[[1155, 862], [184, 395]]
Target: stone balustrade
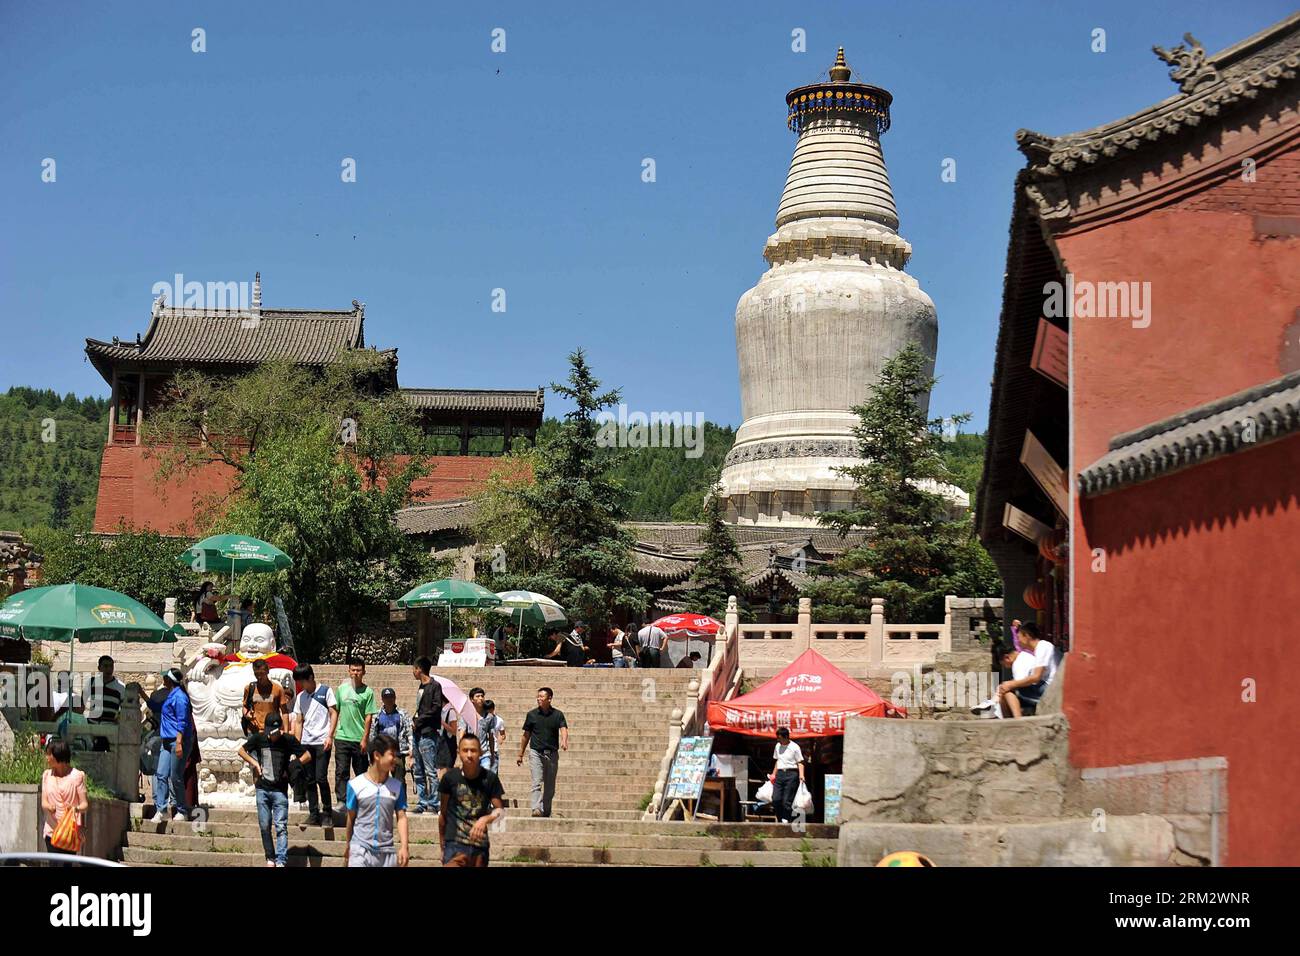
[[875, 643]]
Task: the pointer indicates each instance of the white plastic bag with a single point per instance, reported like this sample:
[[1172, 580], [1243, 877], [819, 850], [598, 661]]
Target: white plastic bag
[[803, 800], [764, 793]]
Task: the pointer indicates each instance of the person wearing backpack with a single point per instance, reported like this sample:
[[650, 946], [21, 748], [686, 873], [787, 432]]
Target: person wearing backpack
[[315, 716], [394, 722], [425, 732], [262, 697]]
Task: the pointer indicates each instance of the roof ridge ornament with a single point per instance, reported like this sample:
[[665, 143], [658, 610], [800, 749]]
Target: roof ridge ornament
[[1191, 69]]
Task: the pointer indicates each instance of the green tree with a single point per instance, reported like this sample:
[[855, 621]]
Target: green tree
[[319, 468], [140, 563], [915, 552], [560, 534], [61, 503], [717, 573]]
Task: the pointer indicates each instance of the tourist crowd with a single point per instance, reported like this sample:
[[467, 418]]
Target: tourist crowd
[[292, 737]]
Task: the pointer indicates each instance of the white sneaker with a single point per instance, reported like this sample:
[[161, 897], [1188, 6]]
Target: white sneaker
[[270, 863]]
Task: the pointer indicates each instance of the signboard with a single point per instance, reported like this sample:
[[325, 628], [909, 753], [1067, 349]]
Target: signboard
[[1051, 357], [1023, 524], [1044, 469], [475, 652], [831, 789], [690, 767]]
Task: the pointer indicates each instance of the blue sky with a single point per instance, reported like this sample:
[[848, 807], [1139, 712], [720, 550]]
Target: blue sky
[[521, 170]]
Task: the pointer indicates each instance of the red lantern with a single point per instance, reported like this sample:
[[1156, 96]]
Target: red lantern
[[1052, 546], [1036, 596]]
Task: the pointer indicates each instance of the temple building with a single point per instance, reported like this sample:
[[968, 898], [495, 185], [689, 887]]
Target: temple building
[[467, 428], [1157, 422], [833, 307]]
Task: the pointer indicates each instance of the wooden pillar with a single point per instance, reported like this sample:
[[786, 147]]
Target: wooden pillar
[[112, 409], [139, 409], [464, 436], [505, 439]]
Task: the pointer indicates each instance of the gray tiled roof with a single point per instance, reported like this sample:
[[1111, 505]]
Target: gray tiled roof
[[231, 338], [475, 399], [660, 566], [1201, 434], [673, 537], [1211, 85], [444, 516]]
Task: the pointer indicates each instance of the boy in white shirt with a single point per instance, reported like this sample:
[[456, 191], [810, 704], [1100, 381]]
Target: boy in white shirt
[[314, 717], [1020, 695]]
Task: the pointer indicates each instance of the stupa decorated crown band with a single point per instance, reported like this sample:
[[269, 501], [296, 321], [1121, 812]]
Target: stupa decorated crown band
[[838, 96]]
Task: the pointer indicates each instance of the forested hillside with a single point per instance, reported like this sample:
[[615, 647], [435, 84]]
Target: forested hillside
[[50, 448], [54, 482]]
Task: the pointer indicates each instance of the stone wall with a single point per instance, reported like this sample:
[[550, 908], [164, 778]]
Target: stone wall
[[969, 620], [1003, 792], [974, 771]]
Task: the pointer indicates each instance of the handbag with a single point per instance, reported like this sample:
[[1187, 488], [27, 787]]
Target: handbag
[[67, 835]]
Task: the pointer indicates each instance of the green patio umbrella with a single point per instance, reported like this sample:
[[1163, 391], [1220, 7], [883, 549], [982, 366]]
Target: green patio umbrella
[[449, 593], [234, 552], [529, 607], [79, 612]]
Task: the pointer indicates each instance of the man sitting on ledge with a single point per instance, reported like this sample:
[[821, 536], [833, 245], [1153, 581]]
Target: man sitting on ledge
[[1019, 696]]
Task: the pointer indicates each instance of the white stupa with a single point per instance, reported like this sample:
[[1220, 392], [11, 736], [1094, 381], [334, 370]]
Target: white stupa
[[835, 305]]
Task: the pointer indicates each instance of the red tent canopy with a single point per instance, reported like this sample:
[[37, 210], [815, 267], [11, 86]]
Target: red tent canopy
[[811, 696]]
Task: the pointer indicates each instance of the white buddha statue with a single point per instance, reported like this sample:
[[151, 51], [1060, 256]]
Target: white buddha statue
[[217, 682]]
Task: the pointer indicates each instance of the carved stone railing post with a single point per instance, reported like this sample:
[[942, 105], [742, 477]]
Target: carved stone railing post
[[803, 630], [661, 782], [126, 751], [876, 637]]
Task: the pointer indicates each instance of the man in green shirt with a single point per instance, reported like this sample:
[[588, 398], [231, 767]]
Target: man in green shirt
[[357, 708]]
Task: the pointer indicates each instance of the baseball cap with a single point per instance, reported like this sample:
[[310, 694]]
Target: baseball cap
[[388, 692]]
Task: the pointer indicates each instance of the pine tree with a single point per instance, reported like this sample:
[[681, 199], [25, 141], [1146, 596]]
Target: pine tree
[[915, 552], [571, 513], [717, 573]]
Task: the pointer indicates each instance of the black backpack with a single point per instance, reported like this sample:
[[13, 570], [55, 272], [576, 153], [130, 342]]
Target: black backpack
[[150, 751]]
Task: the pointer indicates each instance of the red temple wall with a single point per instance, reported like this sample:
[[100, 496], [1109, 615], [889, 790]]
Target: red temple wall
[[129, 493], [1201, 586], [1200, 593]]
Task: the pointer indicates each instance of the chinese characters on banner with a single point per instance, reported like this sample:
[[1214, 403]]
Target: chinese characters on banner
[[802, 721]]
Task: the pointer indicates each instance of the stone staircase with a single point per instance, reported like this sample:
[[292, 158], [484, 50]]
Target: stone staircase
[[231, 838], [618, 731], [618, 726]]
